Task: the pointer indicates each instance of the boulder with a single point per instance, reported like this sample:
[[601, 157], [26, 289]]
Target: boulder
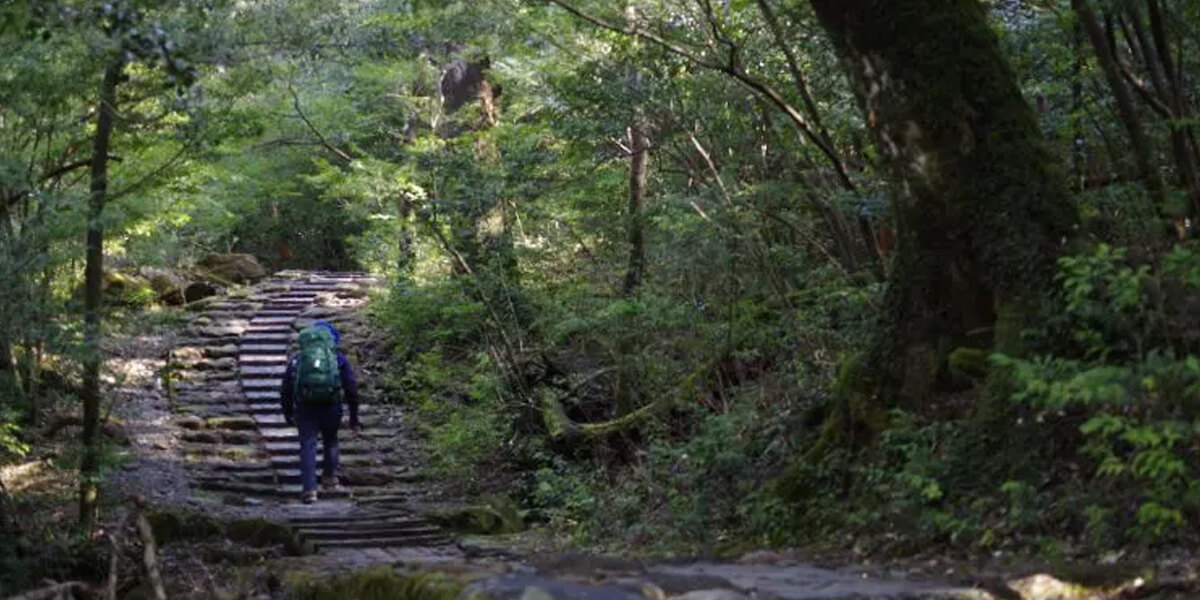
[[167, 284], [234, 268], [199, 290], [126, 289]]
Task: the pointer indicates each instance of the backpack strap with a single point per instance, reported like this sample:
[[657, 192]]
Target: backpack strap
[[296, 379]]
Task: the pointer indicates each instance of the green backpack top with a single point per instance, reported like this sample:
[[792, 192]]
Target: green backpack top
[[316, 379]]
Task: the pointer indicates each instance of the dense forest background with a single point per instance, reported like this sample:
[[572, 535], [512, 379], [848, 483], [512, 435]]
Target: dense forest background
[[685, 274]]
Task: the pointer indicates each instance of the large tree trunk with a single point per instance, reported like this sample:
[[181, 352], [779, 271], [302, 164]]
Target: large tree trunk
[[980, 204], [639, 150], [89, 467]]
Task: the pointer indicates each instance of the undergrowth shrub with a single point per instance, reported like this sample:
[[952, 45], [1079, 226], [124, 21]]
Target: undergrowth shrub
[[1118, 363]]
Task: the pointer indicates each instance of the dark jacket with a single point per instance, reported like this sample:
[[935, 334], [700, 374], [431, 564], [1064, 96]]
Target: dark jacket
[[349, 387]]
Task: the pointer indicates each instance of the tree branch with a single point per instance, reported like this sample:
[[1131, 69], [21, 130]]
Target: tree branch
[[1145, 93], [810, 105], [759, 87], [79, 164], [313, 128]]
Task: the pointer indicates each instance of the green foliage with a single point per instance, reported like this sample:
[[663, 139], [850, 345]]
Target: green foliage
[[1130, 381], [11, 444]]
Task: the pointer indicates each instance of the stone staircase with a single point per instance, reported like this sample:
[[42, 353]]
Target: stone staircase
[[225, 379]]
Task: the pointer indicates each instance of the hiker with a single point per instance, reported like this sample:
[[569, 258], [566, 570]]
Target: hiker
[[317, 379]]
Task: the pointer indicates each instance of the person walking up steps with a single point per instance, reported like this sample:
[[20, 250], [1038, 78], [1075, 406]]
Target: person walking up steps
[[317, 380]]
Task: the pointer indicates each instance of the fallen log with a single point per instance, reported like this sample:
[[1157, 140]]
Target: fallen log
[[560, 426], [57, 591]]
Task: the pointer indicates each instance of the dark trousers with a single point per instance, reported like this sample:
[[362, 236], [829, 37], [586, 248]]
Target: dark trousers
[[313, 419]]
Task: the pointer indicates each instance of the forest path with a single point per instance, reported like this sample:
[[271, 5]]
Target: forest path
[[241, 457], [225, 392]]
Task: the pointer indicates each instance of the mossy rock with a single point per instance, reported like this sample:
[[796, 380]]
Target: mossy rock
[[191, 422], [498, 516], [176, 525], [239, 453], [127, 290], [240, 423], [240, 437], [202, 437], [969, 362], [233, 268], [262, 533], [375, 583]]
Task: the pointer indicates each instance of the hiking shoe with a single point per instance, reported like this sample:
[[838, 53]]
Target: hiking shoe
[[309, 497], [330, 482]]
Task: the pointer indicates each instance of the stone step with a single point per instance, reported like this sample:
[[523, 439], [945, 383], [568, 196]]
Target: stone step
[[272, 433], [231, 306], [291, 460], [204, 344], [267, 337], [259, 383], [297, 304], [272, 404], [437, 539], [217, 331], [268, 419], [226, 484], [358, 516], [272, 320], [287, 312], [265, 408], [348, 478], [337, 531], [256, 359], [276, 434], [205, 411], [270, 327], [234, 466], [263, 370], [222, 351], [252, 349], [198, 399], [231, 315], [206, 364], [264, 395], [230, 452], [222, 437], [289, 449], [203, 378]]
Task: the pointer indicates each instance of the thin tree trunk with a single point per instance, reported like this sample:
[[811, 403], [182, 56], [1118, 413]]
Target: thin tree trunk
[[980, 207], [89, 467], [1126, 110], [810, 105], [1078, 145], [1181, 146], [404, 210], [639, 151]]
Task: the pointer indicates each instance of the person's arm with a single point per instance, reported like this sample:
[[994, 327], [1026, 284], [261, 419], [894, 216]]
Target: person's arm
[[349, 387], [286, 390]]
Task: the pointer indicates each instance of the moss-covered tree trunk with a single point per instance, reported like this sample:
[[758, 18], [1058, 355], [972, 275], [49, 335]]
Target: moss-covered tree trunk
[[981, 205], [639, 148]]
